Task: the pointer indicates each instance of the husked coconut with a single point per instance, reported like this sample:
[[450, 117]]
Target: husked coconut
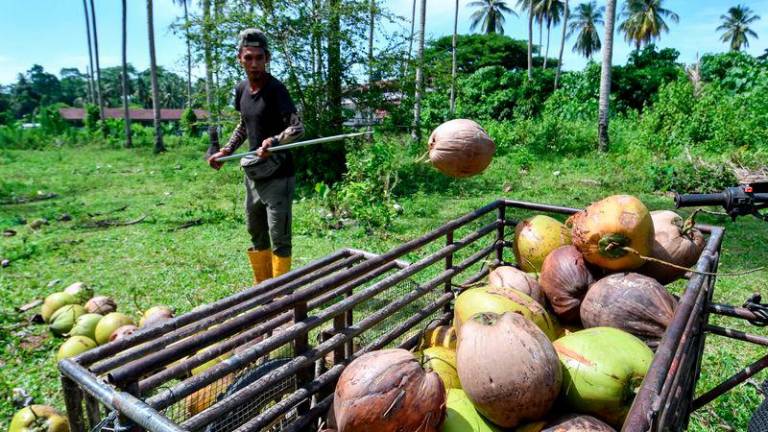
[[512, 277], [460, 148]]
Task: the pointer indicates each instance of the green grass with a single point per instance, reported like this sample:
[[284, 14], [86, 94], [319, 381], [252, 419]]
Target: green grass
[[154, 262]]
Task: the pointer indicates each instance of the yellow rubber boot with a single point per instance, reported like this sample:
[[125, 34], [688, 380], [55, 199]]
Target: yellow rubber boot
[[261, 263], [280, 265]]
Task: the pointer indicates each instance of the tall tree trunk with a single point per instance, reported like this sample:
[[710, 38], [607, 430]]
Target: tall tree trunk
[[189, 55], [98, 67], [416, 132], [334, 66], [530, 39], [371, 29], [605, 77], [159, 147], [546, 52], [410, 40], [453, 57], [126, 111], [213, 120], [562, 45], [541, 36], [91, 86]]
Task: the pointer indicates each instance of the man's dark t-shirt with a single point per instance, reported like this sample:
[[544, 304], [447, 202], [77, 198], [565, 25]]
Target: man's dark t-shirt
[[265, 114]]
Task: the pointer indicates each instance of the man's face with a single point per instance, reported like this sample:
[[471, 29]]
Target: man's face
[[254, 61]]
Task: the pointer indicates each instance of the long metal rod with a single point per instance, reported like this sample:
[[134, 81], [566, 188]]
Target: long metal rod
[[296, 145], [161, 400], [237, 361], [732, 311], [169, 354], [730, 383], [737, 334], [152, 333], [639, 416]]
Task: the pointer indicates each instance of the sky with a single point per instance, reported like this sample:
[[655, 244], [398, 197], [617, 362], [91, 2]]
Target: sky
[[52, 32]]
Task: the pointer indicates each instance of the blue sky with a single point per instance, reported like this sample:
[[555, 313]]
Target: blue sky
[[51, 32]]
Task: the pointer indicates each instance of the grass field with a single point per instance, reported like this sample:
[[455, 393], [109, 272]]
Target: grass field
[[189, 247]]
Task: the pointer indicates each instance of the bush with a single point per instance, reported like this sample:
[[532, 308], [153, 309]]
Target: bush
[[188, 123], [50, 119], [685, 175], [92, 117]]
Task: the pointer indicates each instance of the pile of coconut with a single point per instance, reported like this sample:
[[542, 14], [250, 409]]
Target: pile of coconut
[[559, 342]]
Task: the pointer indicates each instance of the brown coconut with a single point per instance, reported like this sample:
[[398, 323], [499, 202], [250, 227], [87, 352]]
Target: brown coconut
[[637, 304], [512, 277], [460, 148], [673, 242], [565, 279], [508, 368], [577, 423], [388, 391]]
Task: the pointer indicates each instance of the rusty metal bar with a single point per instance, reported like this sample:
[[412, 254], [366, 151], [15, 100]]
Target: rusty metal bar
[[73, 399], [302, 348], [162, 400], [92, 411], [500, 234], [275, 411], [737, 334], [182, 367], [449, 264], [732, 311], [125, 403], [540, 207], [301, 423], [151, 334], [640, 415], [151, 362], [730, 383]]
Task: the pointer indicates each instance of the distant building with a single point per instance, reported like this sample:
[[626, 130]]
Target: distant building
[[137, 114]]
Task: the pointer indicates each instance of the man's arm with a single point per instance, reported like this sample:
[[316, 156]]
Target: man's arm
[[237, 138], [293, 132]]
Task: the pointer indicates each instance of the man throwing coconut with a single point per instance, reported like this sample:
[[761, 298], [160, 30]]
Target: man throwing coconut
[[268, 118]]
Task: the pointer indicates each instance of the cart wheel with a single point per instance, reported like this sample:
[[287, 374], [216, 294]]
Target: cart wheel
[[241, 414], [759, 420]]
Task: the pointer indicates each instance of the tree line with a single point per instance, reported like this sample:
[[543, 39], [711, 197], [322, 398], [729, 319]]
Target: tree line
[[325, 52]]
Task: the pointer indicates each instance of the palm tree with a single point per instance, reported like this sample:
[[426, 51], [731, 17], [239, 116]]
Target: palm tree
[[453, 58], [90, 53], [98, 68], [416, 132], [566, 12], [736, 27], [183, 3], [410, 38], [213, 132], [605, 77], [588, 16], [490, 15], [527, 5], [126, 111], [644, 21], [159, 147], [551, 11]]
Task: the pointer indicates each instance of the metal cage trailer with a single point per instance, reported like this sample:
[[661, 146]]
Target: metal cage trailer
[[272, 353]]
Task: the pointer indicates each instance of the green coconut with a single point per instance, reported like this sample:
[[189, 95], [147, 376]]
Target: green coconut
[[86, 325], [73, 346], [535, 238], [64, 319], [461, 415], [442, 361], [500, 300], [111, 322], [38, 418], [54, 302], [79, 291], [603, 368]]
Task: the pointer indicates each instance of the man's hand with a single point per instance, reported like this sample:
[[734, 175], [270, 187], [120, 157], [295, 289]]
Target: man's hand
[[263, 151], [214, 163]]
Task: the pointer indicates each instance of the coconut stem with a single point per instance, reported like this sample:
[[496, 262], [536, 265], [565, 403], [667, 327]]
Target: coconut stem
[[689, 223], [692, 270]]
